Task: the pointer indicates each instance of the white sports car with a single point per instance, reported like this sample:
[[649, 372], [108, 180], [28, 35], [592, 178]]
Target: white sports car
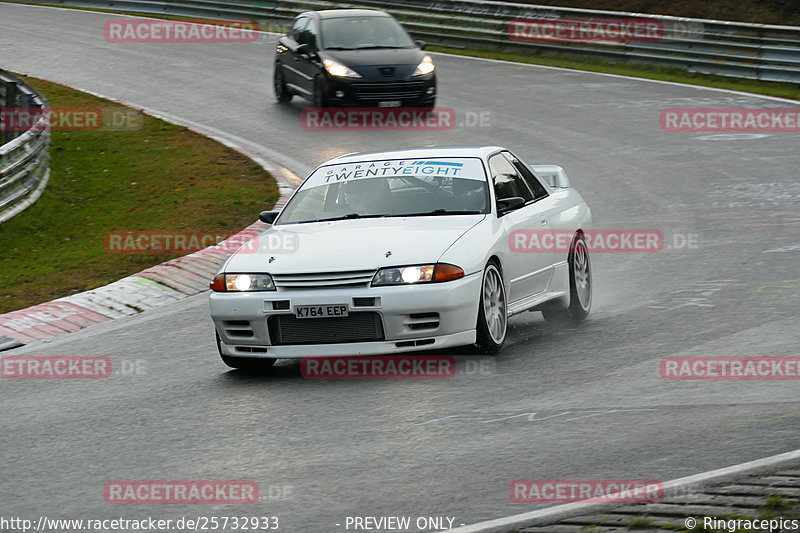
[[403, 250]]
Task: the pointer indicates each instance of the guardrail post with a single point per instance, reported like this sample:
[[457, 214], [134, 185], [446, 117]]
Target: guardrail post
[[10, 101]]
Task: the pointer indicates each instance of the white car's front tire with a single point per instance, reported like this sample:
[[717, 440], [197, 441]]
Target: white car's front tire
[[492, 311]]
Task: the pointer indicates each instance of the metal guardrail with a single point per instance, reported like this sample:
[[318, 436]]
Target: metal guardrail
[[24, 155], [756, 51]]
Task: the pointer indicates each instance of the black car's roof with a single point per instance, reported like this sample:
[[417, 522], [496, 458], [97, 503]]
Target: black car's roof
[[342, 13]]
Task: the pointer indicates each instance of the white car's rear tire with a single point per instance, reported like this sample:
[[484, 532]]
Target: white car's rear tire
[[580, 285]]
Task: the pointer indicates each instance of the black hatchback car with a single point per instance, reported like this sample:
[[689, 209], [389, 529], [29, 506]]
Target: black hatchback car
[[353, 57]]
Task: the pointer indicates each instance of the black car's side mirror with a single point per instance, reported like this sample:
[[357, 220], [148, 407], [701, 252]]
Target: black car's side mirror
[[304, 49], [421, 44], [509, 204], [268, 217]]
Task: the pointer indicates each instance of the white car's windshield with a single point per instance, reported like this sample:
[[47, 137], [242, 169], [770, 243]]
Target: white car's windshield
[[390, 189], [363, 32]]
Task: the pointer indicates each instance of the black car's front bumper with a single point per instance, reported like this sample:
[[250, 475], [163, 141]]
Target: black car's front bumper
[[419, 91]]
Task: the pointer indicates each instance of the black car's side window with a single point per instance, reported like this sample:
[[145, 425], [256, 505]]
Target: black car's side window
[[297, 28], [533, 182], [507, 181], [309, 34]]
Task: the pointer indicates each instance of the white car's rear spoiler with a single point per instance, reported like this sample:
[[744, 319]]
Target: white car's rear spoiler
[[554, 175]]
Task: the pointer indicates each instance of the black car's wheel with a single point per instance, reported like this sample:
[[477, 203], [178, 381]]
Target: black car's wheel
[[319, 98], [580, 285], [492, 311], [282, 94], [244, 363]]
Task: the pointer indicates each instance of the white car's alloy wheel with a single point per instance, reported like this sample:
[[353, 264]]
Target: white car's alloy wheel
[[492, 311], [580, 285], [582, 275]]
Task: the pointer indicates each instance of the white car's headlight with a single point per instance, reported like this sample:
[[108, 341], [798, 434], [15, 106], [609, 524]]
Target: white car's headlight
[[337, 69], [425, 67], [409, 275], [242, 282]]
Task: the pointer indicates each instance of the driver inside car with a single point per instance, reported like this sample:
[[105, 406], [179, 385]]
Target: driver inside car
[[367, 196]]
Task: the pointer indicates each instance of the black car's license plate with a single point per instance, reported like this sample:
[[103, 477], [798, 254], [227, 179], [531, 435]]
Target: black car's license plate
[[321, 311], [389, 103]]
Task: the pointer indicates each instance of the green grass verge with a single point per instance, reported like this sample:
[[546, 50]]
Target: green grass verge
[[161, 177]]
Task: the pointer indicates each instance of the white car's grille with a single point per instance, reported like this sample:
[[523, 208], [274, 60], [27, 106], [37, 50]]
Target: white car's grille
[[364, 326], [353, 278]]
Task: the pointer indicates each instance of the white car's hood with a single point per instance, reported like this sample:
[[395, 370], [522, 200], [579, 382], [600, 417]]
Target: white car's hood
[[345, 245]]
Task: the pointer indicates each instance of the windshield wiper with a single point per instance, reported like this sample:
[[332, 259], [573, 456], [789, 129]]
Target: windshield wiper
[[438, 212], [348, 216], [339, 48], [370, 46]]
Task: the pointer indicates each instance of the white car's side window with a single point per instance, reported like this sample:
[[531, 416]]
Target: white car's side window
[[539, 191], [506, 180]]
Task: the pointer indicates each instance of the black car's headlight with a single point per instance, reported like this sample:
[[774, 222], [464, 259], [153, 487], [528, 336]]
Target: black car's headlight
[[409, 275], [242, 283], [425, 67], [337, 69]]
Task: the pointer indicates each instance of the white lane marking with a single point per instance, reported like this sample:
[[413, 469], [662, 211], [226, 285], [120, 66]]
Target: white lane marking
[[696, 294], [553, 514], [788, 248], [733, 136], [532, 416]]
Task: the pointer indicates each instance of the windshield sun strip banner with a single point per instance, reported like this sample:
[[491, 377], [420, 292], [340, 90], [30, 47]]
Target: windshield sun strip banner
[[452, 167]]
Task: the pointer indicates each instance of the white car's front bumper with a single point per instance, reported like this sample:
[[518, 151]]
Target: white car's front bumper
[[397, 319]]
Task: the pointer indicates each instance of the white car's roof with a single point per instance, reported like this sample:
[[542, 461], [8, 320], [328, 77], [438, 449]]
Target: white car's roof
[[422, 152]]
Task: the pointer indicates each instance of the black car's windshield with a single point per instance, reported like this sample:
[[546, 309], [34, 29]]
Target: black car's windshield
[[338, 194], [363, 32]]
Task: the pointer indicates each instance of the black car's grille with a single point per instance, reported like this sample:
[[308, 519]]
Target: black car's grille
[[388, 91], [357, 327]]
